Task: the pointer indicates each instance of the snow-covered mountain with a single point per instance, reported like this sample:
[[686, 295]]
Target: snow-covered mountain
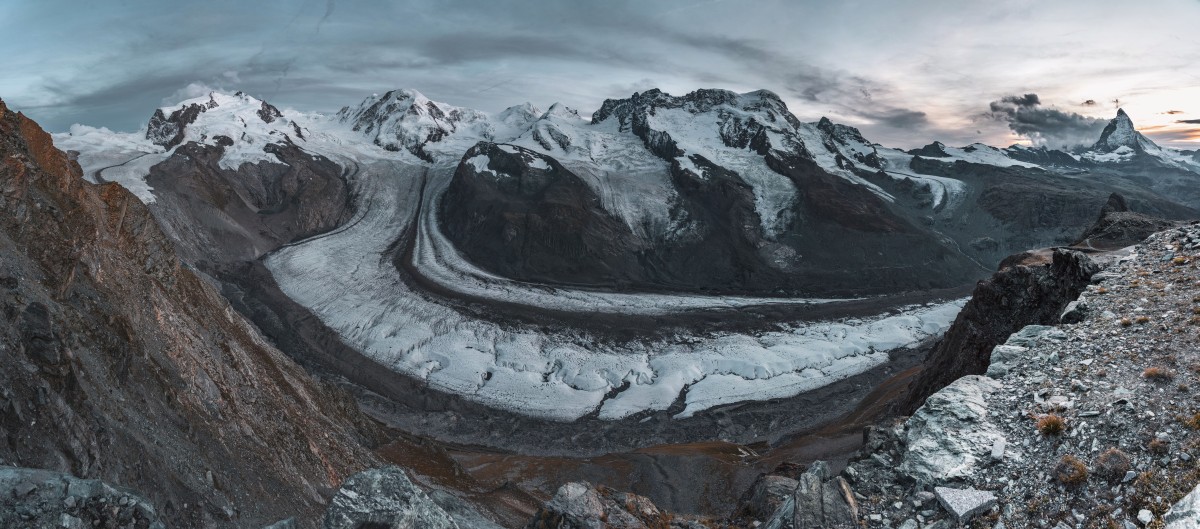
[[241, 124], [406, 119], [446, 239]]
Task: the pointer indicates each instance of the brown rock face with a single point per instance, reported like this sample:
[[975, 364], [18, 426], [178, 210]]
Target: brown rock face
[[120, 364]]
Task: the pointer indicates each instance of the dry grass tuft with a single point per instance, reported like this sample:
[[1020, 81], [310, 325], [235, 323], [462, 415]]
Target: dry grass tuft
[[1051, 424], [1112, 464], [1193, 422], [1071, 471], [1158, 374], [1158, 446], [1142, 320]]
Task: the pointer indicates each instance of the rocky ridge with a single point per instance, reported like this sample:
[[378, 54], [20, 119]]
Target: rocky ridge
[[1086, 424], [122, 364]]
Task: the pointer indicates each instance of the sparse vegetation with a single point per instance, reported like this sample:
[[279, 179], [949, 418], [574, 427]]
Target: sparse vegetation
[[1125, 322], [1142, 319], [1158, 374], [1193, 422], [1071, 471], [1051, 424], [1158, 446], [1180, 260], [1112, 464]]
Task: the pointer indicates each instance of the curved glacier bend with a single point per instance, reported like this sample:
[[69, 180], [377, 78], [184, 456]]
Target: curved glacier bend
[[348, 280]]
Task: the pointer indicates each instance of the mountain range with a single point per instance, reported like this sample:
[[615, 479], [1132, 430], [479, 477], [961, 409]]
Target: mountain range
[[713, 190], [668, 271]]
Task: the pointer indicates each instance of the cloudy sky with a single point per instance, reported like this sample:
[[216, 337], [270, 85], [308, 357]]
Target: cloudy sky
[[906, 73]]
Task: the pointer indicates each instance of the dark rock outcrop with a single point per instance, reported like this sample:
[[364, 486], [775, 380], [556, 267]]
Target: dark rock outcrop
[[218, 215], [268, 113], [1030, 288], [168, 131], [1118, 227], [121, 364], [526, 216], [819, 500], [936, 149]]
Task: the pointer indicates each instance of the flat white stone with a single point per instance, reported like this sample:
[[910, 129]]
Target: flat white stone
[[964, 503]]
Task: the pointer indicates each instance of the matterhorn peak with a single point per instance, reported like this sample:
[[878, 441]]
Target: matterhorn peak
[[1120, 132]]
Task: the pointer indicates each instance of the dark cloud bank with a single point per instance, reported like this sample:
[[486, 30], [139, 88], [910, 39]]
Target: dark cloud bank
[[1045, 126]]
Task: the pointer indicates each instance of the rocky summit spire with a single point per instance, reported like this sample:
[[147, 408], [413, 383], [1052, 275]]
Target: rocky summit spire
[[1120, 133]]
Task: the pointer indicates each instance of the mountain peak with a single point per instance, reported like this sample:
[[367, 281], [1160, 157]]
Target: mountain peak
[[227, 114], [1120, 132]]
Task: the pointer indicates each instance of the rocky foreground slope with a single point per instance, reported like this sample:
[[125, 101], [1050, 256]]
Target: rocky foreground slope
[[1090, 423], [121, 364]]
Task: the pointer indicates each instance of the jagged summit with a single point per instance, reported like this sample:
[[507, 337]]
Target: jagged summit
[[1120, 132]]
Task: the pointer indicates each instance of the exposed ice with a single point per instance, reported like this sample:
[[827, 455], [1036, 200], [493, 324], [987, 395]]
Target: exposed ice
[[347, 279]]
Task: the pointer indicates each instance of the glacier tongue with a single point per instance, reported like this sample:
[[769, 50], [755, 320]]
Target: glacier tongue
[[348, 280]]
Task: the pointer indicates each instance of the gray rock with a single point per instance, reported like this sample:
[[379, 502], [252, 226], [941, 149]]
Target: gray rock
[[1145, 516], [964, 503], [1185, 514], [950, 433], [998, 449], [908, 524], [582, 506], [289, 523], [1004, 358], [1129, 476], [1032, 334], [1076, 311], [43, 498], [384, 497], [818, 501], [768, 494], [463, 513]]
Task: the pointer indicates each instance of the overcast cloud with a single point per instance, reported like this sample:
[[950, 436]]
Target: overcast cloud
[[906, 73]]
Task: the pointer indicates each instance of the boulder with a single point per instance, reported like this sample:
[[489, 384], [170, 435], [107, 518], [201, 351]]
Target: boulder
[[1030, 335], [1076, 311], [964, 503], [1004, 359], [950, 434], [384, 498], [1186, 513], [767, 494], [580, 505], [818, 501]]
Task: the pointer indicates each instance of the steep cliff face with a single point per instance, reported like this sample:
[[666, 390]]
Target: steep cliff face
[[122, 365], [1031, 288]]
